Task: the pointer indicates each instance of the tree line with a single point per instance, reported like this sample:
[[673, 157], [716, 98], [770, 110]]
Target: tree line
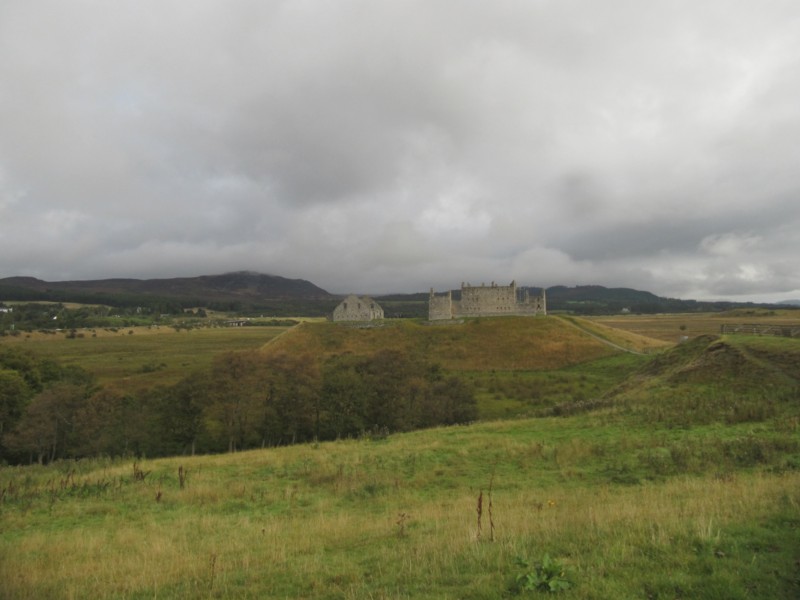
[[244, 400]]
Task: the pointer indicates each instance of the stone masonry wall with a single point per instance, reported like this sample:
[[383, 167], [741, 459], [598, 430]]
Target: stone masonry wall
[[485, 301], [354, 308], [440, 307]]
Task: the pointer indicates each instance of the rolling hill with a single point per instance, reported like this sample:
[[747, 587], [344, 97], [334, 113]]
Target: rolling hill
[[581, 300], [508, 343], [237, 285], [684, 486], [710, 379], [245, 290], [240, 290]]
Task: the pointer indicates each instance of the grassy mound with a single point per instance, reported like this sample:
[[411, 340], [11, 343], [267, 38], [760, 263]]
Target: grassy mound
[[517, 366], [508, 343], [710, 379]]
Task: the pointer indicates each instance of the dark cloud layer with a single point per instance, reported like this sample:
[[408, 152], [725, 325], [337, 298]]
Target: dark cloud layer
[[398, 145]]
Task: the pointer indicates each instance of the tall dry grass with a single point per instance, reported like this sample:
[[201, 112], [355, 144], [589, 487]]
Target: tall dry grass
[[510, 343], [323, 522]]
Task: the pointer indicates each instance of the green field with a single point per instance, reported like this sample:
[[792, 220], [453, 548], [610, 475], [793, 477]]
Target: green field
[[673, 328], [663, 472], [629, 512], [138, 358]]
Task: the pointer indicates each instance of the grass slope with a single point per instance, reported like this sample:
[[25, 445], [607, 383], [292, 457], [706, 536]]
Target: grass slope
[[631, 341], [147, 357], [673, 328], [629, 511], [684, 484], [518, 366], [508, 343], [728, 379]]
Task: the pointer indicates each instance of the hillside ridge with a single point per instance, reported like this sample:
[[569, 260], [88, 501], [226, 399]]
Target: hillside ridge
[[240, 290], [713, 379], [252, 289], [503, 343]]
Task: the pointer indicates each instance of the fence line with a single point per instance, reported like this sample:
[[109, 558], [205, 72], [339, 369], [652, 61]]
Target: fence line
[[762, 329]]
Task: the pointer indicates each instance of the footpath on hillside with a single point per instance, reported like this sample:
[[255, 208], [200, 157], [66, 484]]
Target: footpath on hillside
[[597, 337]]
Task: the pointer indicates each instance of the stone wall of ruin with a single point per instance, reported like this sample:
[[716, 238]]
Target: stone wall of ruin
[[440, 307], [485, 301], [354, 308]]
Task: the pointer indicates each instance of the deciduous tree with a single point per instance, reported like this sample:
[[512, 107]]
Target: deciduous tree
[[46, 428]]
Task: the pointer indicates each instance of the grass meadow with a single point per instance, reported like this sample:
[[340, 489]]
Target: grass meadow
[[520, 343], [136, 358], [653, 474], [398, 517], [673, 328]]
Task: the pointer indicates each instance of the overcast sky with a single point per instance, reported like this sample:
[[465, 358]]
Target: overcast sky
[[394, 145]]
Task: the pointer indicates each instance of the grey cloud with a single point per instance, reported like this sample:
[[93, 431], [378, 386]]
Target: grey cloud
[[396, 145]]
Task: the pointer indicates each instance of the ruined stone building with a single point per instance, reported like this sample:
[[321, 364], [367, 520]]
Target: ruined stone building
[[355, 308], [486, 301]]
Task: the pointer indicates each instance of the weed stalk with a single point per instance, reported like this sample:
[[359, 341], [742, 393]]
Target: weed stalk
[[491, 517], [480, 512], [212, 563]]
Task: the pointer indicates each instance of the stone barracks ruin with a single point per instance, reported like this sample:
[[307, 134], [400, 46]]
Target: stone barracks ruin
[[355, 308], [486, 301]]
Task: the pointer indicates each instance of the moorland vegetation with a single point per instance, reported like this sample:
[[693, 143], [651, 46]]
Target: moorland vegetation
[[321, 382], [549, 459]]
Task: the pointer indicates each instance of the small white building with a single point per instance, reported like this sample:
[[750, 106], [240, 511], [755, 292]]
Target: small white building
[[237, 322], [357, 308]]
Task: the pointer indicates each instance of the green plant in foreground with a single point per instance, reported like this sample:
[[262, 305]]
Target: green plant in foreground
[[548, 575]]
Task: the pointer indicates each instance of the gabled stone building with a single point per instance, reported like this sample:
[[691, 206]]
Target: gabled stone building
[[486, 301], [355, 308]]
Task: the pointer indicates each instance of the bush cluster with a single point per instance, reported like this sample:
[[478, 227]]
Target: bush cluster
[[245, 400]]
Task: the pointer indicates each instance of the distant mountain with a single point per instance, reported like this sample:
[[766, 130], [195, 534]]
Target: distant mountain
[[597, 294], [596, 299], [230, 291], [790, 302], [237, 284], [271, 294], [582, 299]]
